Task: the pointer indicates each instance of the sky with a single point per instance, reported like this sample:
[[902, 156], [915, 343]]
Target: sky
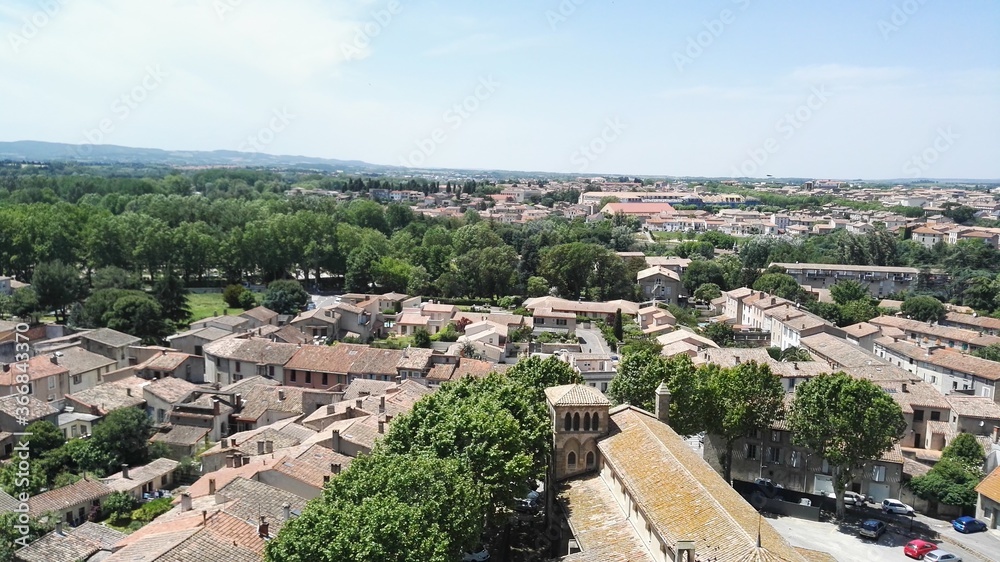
[[870, 89]]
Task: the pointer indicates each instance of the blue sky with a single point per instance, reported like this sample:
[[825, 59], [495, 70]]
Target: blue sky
[[853, 89]]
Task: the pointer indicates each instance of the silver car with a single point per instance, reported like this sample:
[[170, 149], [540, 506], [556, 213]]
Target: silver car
[[896, 506], [941, 556]]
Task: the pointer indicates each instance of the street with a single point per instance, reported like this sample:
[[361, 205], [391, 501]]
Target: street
[[844, 544], [593, 341]]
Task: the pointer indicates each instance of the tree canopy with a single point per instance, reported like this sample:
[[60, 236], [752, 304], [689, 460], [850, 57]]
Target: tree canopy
[[848, 422]]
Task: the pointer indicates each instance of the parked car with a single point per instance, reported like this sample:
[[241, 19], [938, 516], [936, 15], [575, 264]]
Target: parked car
[[872, 528], [942, 556], [966, 524], [854, 498], [480, 555], [896, 506], [918, 548]]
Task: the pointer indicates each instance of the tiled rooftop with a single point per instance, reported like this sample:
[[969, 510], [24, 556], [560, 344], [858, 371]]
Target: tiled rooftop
[[71, 545], [575, 395]]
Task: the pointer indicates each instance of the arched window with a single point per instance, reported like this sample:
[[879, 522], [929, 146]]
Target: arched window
[[595, 422], [576, 422], [568, 423], [571, 459], [590, 460], [586, 421]]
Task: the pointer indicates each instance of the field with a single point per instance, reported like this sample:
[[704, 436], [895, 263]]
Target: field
[[204, 305]]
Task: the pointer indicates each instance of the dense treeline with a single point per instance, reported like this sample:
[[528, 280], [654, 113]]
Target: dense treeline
[[237, 225]]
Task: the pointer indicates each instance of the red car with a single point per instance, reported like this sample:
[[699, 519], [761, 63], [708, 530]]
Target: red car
[[918, 548]]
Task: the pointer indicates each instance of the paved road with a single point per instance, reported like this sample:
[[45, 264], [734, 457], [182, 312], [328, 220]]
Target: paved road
[[845, 545], [593, 341], [987, 544]]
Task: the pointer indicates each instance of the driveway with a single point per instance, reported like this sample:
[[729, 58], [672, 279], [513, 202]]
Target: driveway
[[844, 544], [987, 544], [593, 341]]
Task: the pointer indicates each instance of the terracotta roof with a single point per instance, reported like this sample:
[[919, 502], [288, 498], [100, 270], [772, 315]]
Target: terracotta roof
[[170, 389], [599, 525], [38, 367], [441, 372], [112, 395], [359, 388], [317, 359], [575, 395], [312, 465], [413, 319], [259, 351], [78, 360], [682, 496], [36, 408], [256, 499], [109, 337], [184, 435], [168, 361], [73, 544], [261, 313], [141, 474], [415, 358], [974, 406], [990, 486], [973, 320], [224, 539], [80, 492], [861, 329]]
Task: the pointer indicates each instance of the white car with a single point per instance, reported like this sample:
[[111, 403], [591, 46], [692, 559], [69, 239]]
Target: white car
[[896, 506], [941, 556], [854, 498], [480, 555]]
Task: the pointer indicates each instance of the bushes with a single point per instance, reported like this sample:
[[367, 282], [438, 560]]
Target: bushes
[[232, 294]]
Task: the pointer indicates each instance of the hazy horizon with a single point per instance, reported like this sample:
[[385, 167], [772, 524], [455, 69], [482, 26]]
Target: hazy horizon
[[873, 90]]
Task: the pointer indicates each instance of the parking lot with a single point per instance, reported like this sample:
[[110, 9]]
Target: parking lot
[[845, 545]]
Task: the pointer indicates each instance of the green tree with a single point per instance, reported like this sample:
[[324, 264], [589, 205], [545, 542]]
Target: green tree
[[285, 296], [405, 508], [169, 292], [701, 272], [949, 482], [847, 291], [45, 437], [965, 449], [861, 310], [118, 506], [618, 328], [990, 352], [421, 338], [707, 292], [923, 308], [846, 421], [640, 373], [360, 269], [781, 285], [742, 400], [57, 285], [537, 286], [115, 278], [720, 332], [138, 315], [247, 300], [123, 438], [24, 302], [232, 293], [11, 537]]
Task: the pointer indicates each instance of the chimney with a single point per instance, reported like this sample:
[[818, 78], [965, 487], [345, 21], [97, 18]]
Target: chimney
[[59, 528], [381, 427], [5, 367], [358, 403], [225, 443], [737, 359], [260, 447], [211, 486], [238, 403], [684, 551], [663, 403], [774, 300], [996, 434], [326, 479], [381, 405], [388, 418], [262, 527], [215, 406], [281, 395], [268, 446], [204, 517], [125, 471], [795, 365], [128, 392], [286, 511], [335, 440], [335, 467], [905, 389], [185, 502], [54, 359], [230, 459]]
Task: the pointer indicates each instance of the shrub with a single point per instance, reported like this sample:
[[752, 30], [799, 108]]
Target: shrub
[[152, 509], [232, 293]]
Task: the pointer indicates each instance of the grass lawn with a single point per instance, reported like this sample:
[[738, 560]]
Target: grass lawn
[[204, 305]]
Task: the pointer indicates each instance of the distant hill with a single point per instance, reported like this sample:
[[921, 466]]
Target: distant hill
[[108, 153]]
